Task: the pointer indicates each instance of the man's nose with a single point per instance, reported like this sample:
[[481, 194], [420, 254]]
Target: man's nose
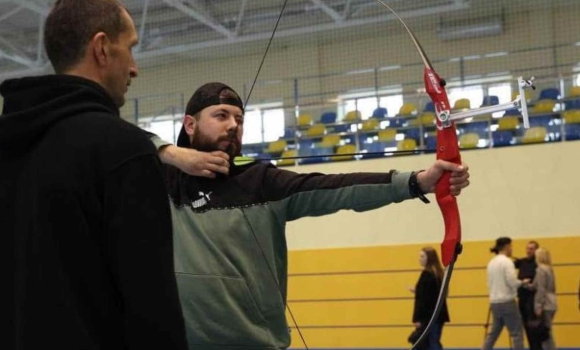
[[232, 123], [134, 72]]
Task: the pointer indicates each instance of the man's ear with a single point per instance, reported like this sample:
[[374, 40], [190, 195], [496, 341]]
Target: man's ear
[[100, 48], [189, 123]]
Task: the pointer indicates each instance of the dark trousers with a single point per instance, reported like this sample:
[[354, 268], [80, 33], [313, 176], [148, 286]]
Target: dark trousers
[[526, 306], [434, 339]]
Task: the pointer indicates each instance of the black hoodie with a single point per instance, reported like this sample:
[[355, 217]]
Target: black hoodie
[[85, 224]]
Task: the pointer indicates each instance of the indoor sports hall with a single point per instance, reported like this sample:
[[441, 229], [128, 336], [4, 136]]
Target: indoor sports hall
[[338, 86]]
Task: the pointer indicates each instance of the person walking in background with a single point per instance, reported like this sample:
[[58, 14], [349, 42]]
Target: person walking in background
[[503, 284], [527, 270], [426, 293], [545, 304]]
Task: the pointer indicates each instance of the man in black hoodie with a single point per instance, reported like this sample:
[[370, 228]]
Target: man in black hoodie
[[84, 215]]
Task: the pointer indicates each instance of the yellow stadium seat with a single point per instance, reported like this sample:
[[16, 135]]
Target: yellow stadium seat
[[572, 117], [527, 93], [574, 91], [428, 118], [276, 146], [387, 135], [286, 162], [330, 140], [544, 106], [535, 135], [370, 124], [462, 103], [316, 130], [352, 116], [425, 119], [407, 145], [508, 123], [304, 120], [346, 149], [408, 109], [469, 140]]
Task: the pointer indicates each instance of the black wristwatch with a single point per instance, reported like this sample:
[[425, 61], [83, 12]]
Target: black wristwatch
[[415, 189]]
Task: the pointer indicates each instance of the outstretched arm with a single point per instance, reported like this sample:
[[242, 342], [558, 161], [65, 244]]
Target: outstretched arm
[[315, 194]]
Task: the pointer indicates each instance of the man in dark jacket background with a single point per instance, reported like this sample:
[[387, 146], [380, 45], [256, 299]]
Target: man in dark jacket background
[[84, 215], [527, 270]]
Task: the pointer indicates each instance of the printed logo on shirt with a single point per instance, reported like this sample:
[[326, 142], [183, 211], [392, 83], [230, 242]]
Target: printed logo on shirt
[[202, 201]]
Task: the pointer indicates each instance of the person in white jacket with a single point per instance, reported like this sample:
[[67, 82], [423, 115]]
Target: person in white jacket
[[545, 305], [503, 286]]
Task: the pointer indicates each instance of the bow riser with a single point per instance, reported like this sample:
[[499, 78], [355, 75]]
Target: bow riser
[[447, 150]]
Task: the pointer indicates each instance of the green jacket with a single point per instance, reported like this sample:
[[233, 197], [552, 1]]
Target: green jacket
[[230, 245]]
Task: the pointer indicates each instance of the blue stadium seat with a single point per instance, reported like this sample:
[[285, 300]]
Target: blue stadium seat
[[328, 118], [541, 120], [414, 133], [431, 143], [572, 104], [309, 152], [479, 127], [380, 113], [572, 131], [337, 129], [288, 133], [375, 147], [513, 111], [396, 122], [306, 143], [490, 101], [502, 138], [429, 107], [549, 94]]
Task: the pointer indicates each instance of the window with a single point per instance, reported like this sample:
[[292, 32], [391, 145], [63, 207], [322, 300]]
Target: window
[[273, 121], [502, 91], [577, 80], [167, 127], [252, 127], [367, 105], [263, 125], [392, 103], [473, 93]]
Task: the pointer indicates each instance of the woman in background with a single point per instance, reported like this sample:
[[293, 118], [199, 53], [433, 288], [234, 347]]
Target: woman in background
[[545, 298], [426, 293]]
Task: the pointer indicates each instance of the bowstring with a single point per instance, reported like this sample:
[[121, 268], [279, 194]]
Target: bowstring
[[253, 233]]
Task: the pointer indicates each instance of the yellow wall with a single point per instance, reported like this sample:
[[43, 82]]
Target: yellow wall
[[358, 297]]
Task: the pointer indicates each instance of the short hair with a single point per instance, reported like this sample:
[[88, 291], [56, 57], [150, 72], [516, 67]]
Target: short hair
[[71, 24], [535, 244], [500, 243], [543, 256]]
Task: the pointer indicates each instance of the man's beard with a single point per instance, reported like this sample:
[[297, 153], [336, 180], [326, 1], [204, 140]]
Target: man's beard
[[203, 143]]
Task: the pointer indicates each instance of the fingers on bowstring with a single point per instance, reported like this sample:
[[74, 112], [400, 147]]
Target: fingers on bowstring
[[218, 169], [207, 173], [221, 154]]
